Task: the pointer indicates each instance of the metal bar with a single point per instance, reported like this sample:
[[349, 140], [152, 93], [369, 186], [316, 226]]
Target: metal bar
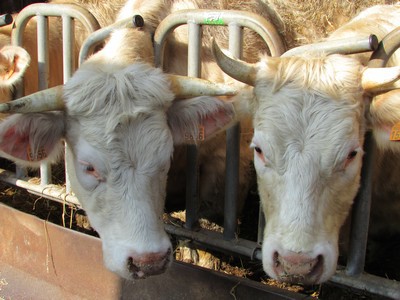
[[232, 150], [192, 164], [362, 205], [341, 46], [68, 68], [361, 212], [52, 10], [250, 20], [98, 37], [68, 46], [215, 241], [261, 225], [43, 77], [389, 44], [67, 11], [53, 192], [369, 283]]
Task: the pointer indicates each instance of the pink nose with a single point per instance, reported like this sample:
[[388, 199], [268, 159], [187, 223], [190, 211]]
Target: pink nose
[[298, 268], [148, 264]]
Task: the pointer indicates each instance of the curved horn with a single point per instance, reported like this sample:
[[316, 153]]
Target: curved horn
[[238, 69], [378, 79], [186, 87], [46, 100]]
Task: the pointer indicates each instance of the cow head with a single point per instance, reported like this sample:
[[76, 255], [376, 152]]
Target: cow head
[[121, 125], [309, 125], [13, 62]]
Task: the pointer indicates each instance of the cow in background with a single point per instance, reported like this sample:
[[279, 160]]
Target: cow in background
[[310, 115], [13, 64]]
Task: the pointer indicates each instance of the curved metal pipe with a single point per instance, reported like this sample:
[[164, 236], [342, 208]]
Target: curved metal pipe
[[52, 10], [250, 20], [389, 44], [341, 46]]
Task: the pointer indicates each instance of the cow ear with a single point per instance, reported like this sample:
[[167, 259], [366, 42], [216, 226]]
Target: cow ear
[[385, 118], [13, 63], [29, 139], [197, 119]]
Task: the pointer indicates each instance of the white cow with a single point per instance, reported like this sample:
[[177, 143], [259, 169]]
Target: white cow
[[121, 123], [310, 117]]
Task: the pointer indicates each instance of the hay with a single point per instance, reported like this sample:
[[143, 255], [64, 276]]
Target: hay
[[301, 22]]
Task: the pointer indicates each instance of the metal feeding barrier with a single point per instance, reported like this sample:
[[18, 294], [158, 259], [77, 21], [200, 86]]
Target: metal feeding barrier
[[69, 13], [353, 276]]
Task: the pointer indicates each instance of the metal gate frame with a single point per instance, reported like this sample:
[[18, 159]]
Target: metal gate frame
[[354, 277]]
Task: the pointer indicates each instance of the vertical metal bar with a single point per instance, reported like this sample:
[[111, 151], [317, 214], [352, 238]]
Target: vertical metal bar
[[68, 47], [192, 166], [361, 212], [43, 75], [232, 150], [20, 172], [68, 67], [261, 225]]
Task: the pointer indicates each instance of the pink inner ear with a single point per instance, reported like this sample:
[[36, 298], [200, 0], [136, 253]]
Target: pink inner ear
[[215, 122], [15, 144]]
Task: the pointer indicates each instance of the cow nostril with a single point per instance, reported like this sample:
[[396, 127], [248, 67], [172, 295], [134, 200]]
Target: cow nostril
[[149, 264], [133, 268], [318, 266], [275, 259], [298, 268]]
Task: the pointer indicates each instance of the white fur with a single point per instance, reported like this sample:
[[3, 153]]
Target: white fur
[[309, 117]]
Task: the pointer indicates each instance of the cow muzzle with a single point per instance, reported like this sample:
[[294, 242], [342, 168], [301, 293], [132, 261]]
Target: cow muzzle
[[143, 266], [298, 268]]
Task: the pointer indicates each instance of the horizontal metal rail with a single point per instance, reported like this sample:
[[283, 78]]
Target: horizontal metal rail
[[341, 46], [50, 191]]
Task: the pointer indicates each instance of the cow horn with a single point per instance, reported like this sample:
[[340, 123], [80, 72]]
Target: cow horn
[[236, 68], [378, 79], [46, 100], [187, 87]]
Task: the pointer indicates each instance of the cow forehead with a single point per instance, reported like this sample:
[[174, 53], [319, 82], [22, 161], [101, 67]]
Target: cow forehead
[[311, 126], [97, 90], [334, 76], [304, 114], [129, 137]]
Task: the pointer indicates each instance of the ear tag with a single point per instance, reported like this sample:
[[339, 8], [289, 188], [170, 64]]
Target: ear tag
[[395, 132], [200, 137], [40, 155]]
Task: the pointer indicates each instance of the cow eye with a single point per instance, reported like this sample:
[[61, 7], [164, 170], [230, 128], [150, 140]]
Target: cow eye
[[258, 150], [352, 155], [89, 169]]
